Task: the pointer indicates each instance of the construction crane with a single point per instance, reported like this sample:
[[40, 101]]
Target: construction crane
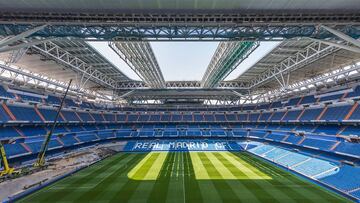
[[7, 169], [41, 156]]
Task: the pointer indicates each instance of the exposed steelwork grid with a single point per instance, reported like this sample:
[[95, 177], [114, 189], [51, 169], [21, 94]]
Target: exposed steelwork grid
[[226, 58], [141, 59]]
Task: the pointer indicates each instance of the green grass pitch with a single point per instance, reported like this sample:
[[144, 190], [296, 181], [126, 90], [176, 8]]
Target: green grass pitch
[[183, 177]]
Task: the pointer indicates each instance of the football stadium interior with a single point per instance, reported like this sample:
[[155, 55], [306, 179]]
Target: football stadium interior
[[180, 101]]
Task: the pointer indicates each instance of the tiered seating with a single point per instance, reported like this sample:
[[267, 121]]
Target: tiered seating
[[315, 166], [344, 178], [311, 114], [291, 159], [293, 101], [53, 100], [109, 117], [320, 143], [30, 98], [31, 131], [292, 115], [5, 94], [50, 114], [331, 97], [336, 112], [85, 116], [350, 130], [327, 129], [98, 117], [15, 150], [8, 132], [277, 116], [70, 115], [4, 117], [87, 137], [349, 148], [354, 93], [308, 99], [68, 140], [23, 113]]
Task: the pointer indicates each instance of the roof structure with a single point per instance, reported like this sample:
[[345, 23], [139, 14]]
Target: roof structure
[[51, 39]]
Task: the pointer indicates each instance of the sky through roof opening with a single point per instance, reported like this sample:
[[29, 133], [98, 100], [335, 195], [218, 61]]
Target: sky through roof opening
[[183, 60]]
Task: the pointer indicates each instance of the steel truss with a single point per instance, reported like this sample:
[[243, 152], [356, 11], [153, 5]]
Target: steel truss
[[51, 50], [344, 73], [200, 18], [183, 84], [311, 53], [141, 59], [159, 31], [38, 80], [226, 58]]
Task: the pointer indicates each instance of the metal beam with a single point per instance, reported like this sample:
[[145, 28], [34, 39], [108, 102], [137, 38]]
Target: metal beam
[[341, 46], [342, 35], [141, 59], [51, 50], [334, 76], [22, 35], [311, 53], [23, 45], [184, 85], [205, 32], [226, 58], [41, 80]]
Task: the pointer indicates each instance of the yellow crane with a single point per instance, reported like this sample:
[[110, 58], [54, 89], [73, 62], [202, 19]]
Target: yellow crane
[[7, 169], [41, 156]]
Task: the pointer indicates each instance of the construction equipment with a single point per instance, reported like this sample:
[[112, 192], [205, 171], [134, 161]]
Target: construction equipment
[[40, 162], [7, 169]]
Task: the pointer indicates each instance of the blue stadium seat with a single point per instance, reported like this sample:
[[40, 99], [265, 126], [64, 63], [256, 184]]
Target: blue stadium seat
[[311, 114], [50, 114], [308, 99], [293, 101], [68, 140], [8, 132], [70, 115], [4, 117], [254, 117], [349, 148], [318, 143], [344, 178], [23, 113], [15, 150], [85, 116], [98, 117], [277, 116], [292, 115], [109, 117], [5, 94], [337, 113]]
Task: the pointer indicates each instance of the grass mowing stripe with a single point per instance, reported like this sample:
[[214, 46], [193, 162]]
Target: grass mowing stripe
[[311, 191], [192, 189], [224, 190], [68, 183], [143, 191], [174, 191], [160, 189], [298, 190], [95, 192], [157, 167], [254, 174], [129, 188], [208, 190], [246, 186]]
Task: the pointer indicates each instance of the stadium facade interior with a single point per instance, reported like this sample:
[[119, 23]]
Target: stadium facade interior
[[285, 130]]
